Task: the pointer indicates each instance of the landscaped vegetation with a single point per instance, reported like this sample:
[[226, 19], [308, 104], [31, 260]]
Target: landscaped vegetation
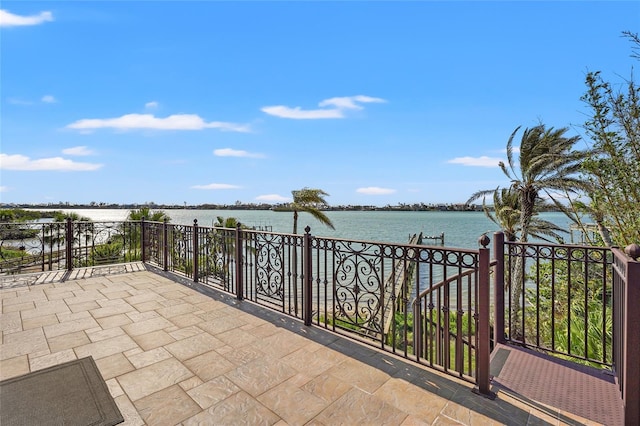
[[599, 184]]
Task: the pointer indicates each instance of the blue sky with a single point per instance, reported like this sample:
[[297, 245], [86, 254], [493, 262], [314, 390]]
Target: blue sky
[[216, 102]]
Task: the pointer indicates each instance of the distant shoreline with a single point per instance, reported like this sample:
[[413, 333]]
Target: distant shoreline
[[273, 207]]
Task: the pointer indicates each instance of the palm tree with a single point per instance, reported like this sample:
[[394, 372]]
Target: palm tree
[[229, 222], [148, 214], [547, 163], [506, 214], [309, 200]]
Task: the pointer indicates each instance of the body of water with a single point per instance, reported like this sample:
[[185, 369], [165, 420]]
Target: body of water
[[461, 229]]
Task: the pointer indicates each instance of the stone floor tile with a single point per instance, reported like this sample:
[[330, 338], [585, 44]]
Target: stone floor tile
[[142, 297], [260, 375], [193, 346], [175, 293], [136, 316], [326, 387], [114, 365], [443, 420], [263, 330], [128, 411], [98, 334], [176, 309], [83, 296], [111, 310], [153, 378], [219, 325], [308, 362], [73, 316], [186, 320], [208, 305], [68, 341], [191, 383], [14, 367], [42, 321], [30, 294], [121, 294], [24, 342], [358, 374], [147, 326], [242, 355], [414, 421], [10, 322], [209, 365], [184, 333], [411, 399], [237, 406], [196, 298], [67, 327], [59, 294], [38, 363], [18, 307], [167, 407], [106, 347], [282, 344], [114, 388], [459, 413], [153, 340], [213, 391], [359, 407], [149, 305], [294, 405], [114, 321], [132, 352], [83, 306], [149, 357], [237, 337]]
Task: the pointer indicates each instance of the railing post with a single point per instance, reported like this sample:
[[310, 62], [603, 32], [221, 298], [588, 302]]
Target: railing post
[[196, 250], [165, 245], [631, 354], [239, 277], [69, 244], [498, 288], [308, 285], [143, 239], [483, 319]]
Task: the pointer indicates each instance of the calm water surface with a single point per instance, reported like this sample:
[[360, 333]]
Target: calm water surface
[[461, 229]]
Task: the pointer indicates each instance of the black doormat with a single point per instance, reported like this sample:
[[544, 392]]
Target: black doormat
[[73, 393]]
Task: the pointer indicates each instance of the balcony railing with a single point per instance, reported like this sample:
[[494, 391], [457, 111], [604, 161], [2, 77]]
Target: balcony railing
[[427, 304]]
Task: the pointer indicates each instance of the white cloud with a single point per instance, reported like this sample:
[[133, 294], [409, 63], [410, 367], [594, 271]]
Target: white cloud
[[4, 189], [151, 105], [48, 99], [18, 101], [272, 198], [299, 114], [349, 102], [338, 104], [78, 150], [24, 163], [215, 186], [229, 152], [8, 19], [483, 161], [149, 121], [374, 190]]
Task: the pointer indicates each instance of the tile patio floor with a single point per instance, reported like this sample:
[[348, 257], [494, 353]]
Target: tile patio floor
[[173, 355]]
